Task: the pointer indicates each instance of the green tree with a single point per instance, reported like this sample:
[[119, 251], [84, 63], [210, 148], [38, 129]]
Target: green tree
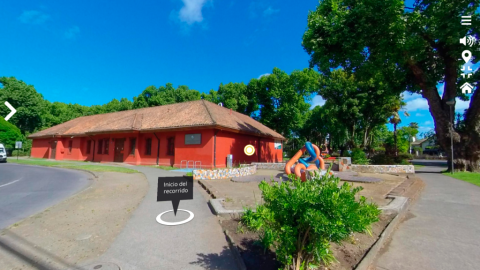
[[282, 98], [359, 105], [25, 99], [413, 48], [9, 134]]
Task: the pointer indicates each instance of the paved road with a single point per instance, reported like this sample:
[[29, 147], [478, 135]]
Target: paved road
[[441, 230], [145, 244], [27, 190], [430, 162]]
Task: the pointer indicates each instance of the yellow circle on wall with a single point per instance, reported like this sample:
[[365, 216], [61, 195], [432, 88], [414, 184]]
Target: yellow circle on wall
[[249, 150]]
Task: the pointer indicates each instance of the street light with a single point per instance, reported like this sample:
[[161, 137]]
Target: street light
[[451, 104]]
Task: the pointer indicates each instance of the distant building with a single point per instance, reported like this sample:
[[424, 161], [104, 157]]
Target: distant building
[[199, 133], [424, 143], [428, 145]]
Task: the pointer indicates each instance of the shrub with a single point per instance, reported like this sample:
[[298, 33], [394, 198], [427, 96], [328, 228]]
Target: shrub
[[300, 219], [359, 157], [383, 159], [21, 153], [335, 154]]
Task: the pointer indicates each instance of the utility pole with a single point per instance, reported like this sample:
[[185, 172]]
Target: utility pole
[[451, 104]]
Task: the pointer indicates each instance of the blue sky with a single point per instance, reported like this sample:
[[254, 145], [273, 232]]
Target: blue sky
[[89, 53]]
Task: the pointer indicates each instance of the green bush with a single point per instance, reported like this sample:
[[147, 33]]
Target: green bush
[[359, 157], [300, 219], [335, 154], [383, 159], [21, 153]]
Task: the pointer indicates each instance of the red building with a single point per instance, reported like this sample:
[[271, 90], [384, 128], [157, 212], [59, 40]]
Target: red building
[[197, 132]]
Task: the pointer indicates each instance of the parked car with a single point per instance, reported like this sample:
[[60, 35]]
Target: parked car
[[3, 153]]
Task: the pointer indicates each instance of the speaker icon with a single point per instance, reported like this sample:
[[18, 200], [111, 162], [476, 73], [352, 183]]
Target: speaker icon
[[468, 40]]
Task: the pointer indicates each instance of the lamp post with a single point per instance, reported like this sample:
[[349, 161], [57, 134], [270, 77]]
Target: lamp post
[[451, 104]]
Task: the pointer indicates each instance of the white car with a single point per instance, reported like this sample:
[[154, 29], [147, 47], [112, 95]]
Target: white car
[[3, 153]]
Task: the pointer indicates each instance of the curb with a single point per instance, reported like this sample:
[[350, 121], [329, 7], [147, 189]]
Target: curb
[[90, 172], [206, 188], [236, 253], [219, 210], [399, 205]]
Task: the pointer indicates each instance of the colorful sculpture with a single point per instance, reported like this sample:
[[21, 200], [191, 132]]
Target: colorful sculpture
[[303, 165]]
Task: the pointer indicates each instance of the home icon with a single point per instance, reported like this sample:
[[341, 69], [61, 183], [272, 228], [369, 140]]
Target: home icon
[[466, 88]]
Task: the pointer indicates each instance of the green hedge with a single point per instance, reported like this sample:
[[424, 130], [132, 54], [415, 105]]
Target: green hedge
[[21, 153], [383, 159]]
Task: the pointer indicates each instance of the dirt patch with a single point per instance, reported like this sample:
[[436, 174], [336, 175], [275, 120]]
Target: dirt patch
[[348, 254], [78, 229], [238, 195]]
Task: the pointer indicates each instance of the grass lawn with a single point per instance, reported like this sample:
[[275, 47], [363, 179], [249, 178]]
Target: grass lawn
[[39, 162], [167, 168], [94, 168], [470, 177]]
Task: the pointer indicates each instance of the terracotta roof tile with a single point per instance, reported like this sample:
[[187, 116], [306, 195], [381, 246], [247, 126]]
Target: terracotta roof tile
[[187, 114]]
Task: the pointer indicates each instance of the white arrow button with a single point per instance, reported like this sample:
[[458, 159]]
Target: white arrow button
[[13, 111]]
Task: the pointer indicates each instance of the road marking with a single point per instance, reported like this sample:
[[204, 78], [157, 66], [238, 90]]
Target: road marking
[[10, 183]]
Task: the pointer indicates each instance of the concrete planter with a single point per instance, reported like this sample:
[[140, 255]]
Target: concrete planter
[[224, 173], [383, 168]]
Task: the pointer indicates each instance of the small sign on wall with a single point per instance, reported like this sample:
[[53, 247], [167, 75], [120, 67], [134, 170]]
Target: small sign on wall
[[193, 138], [278, 144]]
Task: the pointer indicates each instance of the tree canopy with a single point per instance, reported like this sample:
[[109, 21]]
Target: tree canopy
[[409, 48]]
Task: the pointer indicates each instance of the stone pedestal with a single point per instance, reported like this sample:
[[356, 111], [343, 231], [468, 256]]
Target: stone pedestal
[[345, 164]]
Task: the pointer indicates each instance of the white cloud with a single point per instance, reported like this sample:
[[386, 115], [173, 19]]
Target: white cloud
[[419, 114], [428, 123], [33, 17], [191, 12], [317, 101], [72, 32], [461, 105], [270, 11], [266, 74], [416, 104]]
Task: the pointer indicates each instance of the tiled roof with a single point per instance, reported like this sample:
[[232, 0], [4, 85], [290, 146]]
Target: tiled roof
[[180, 115], [419, 142]]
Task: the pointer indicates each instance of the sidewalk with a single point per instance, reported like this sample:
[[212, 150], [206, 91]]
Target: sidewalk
[[441, 230], [145, 244]]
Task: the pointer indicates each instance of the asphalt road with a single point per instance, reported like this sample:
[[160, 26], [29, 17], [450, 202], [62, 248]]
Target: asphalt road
[[27, 190]]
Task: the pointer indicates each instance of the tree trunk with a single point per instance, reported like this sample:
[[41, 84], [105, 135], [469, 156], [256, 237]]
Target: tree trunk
[[466, 143], [395, 138]]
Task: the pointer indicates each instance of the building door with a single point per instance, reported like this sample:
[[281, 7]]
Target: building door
[[53, 149], [119, 143]]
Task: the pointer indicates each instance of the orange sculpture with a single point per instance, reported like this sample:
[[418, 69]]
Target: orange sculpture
[[303, 165]]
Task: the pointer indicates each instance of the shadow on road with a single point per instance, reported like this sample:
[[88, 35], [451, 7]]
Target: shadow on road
[[31, 254]]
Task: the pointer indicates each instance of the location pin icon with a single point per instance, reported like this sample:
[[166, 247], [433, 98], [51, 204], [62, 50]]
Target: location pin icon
[[466, 55]]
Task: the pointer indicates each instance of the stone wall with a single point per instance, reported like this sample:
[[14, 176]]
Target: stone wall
[[383, 168], [224, 173], [269, 166]]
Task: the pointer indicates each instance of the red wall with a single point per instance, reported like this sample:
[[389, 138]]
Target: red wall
[[234, 144], [201, 152], [227, 143], [41, 148]]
